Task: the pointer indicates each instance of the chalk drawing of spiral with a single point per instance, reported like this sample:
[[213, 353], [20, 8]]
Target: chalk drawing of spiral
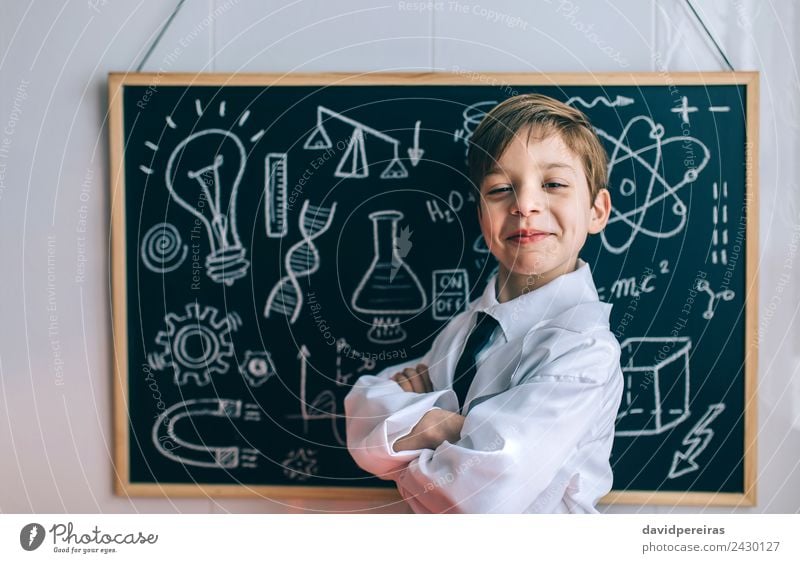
[[162, 248]]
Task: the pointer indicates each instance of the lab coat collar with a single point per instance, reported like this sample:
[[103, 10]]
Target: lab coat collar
[[518, 315]]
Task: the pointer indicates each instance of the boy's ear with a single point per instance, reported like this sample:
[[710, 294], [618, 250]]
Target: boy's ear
[[601, 210]]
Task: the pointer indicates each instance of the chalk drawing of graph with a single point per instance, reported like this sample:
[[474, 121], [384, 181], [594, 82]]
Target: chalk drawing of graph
[[656, 376], [302, 259], [646, 194], [321, 407], [354, 163], [169, 443], [343, 352]]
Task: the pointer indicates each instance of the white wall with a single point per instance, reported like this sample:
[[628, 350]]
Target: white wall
[[55, 347]]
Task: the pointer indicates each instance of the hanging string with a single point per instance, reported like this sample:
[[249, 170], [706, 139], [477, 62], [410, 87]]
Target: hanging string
[[711, 37], [160, 35], [181, 2]]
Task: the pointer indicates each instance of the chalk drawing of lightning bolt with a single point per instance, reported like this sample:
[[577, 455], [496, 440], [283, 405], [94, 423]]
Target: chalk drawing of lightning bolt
[[697, 440], [619, 101]]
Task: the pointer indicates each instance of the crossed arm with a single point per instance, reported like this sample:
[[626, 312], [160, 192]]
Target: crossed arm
[[436, 425], [513, 450]]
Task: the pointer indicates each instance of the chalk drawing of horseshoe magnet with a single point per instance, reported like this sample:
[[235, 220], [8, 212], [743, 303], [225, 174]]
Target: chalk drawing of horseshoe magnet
[[171, 446]]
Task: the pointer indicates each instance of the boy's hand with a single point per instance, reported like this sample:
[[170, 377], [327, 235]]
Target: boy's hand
[[415, 380], [434, 428]]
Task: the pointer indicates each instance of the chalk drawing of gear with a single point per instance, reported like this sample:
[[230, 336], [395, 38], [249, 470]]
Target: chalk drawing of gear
[[171, 446], [195, 345]]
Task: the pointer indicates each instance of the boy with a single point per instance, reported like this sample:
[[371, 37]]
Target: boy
[[513, 408]]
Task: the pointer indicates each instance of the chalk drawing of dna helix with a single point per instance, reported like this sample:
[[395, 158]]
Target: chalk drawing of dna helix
[[302, 259]]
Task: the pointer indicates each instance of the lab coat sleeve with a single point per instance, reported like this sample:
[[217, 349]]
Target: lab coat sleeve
[[514, 444], [378, 412]]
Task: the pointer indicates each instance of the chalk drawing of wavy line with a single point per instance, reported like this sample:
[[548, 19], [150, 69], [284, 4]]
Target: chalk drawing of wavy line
[[618, 101], [651, 159]]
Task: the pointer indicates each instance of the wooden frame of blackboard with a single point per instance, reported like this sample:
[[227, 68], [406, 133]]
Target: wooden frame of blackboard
[[118, 81]]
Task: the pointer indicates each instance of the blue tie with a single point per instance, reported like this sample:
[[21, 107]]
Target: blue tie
[[465, 368]]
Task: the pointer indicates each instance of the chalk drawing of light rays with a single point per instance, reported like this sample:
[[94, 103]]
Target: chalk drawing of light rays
[[172, 446], [302, 259], [649, 167]]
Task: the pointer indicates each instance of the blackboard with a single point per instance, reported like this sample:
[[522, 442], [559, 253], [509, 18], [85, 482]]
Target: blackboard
[[274, 238]]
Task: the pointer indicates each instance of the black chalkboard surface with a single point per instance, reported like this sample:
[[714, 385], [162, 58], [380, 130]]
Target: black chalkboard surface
[[274, 238]]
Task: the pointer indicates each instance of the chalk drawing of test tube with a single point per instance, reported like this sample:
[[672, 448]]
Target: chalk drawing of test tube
[[173, 447], [302, 259]]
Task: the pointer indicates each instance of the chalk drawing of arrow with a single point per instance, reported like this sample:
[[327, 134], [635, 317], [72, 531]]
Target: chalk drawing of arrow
[[303, 357], [415, 153], [696, 441], [619, 101]]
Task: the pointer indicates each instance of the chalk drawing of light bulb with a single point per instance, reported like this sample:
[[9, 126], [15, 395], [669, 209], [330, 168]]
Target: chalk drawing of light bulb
[[203, 175], [389, 286]]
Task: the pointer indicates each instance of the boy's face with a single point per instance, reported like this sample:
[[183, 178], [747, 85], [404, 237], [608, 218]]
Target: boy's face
[[535, 211]]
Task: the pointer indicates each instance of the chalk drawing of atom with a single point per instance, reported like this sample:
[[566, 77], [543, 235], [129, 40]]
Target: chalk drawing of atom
[[646, 173]]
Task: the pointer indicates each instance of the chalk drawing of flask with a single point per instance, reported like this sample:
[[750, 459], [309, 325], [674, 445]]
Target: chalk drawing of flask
[[389, 287]]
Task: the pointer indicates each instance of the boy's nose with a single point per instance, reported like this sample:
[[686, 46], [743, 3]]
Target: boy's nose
[[529, 200]]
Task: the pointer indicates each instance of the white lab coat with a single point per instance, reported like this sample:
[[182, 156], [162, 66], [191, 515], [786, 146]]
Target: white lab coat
[[540, 412]]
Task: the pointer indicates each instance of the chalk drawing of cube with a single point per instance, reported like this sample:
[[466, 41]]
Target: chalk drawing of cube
[[656, 394]]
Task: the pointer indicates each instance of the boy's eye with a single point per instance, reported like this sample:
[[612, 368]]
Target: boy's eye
[[554, 185]]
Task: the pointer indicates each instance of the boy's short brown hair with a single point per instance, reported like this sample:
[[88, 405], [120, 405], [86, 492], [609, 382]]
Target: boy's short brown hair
[[545, 116]]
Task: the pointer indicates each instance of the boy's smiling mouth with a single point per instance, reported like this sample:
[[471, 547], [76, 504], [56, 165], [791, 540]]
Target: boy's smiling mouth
[[527, 236]]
